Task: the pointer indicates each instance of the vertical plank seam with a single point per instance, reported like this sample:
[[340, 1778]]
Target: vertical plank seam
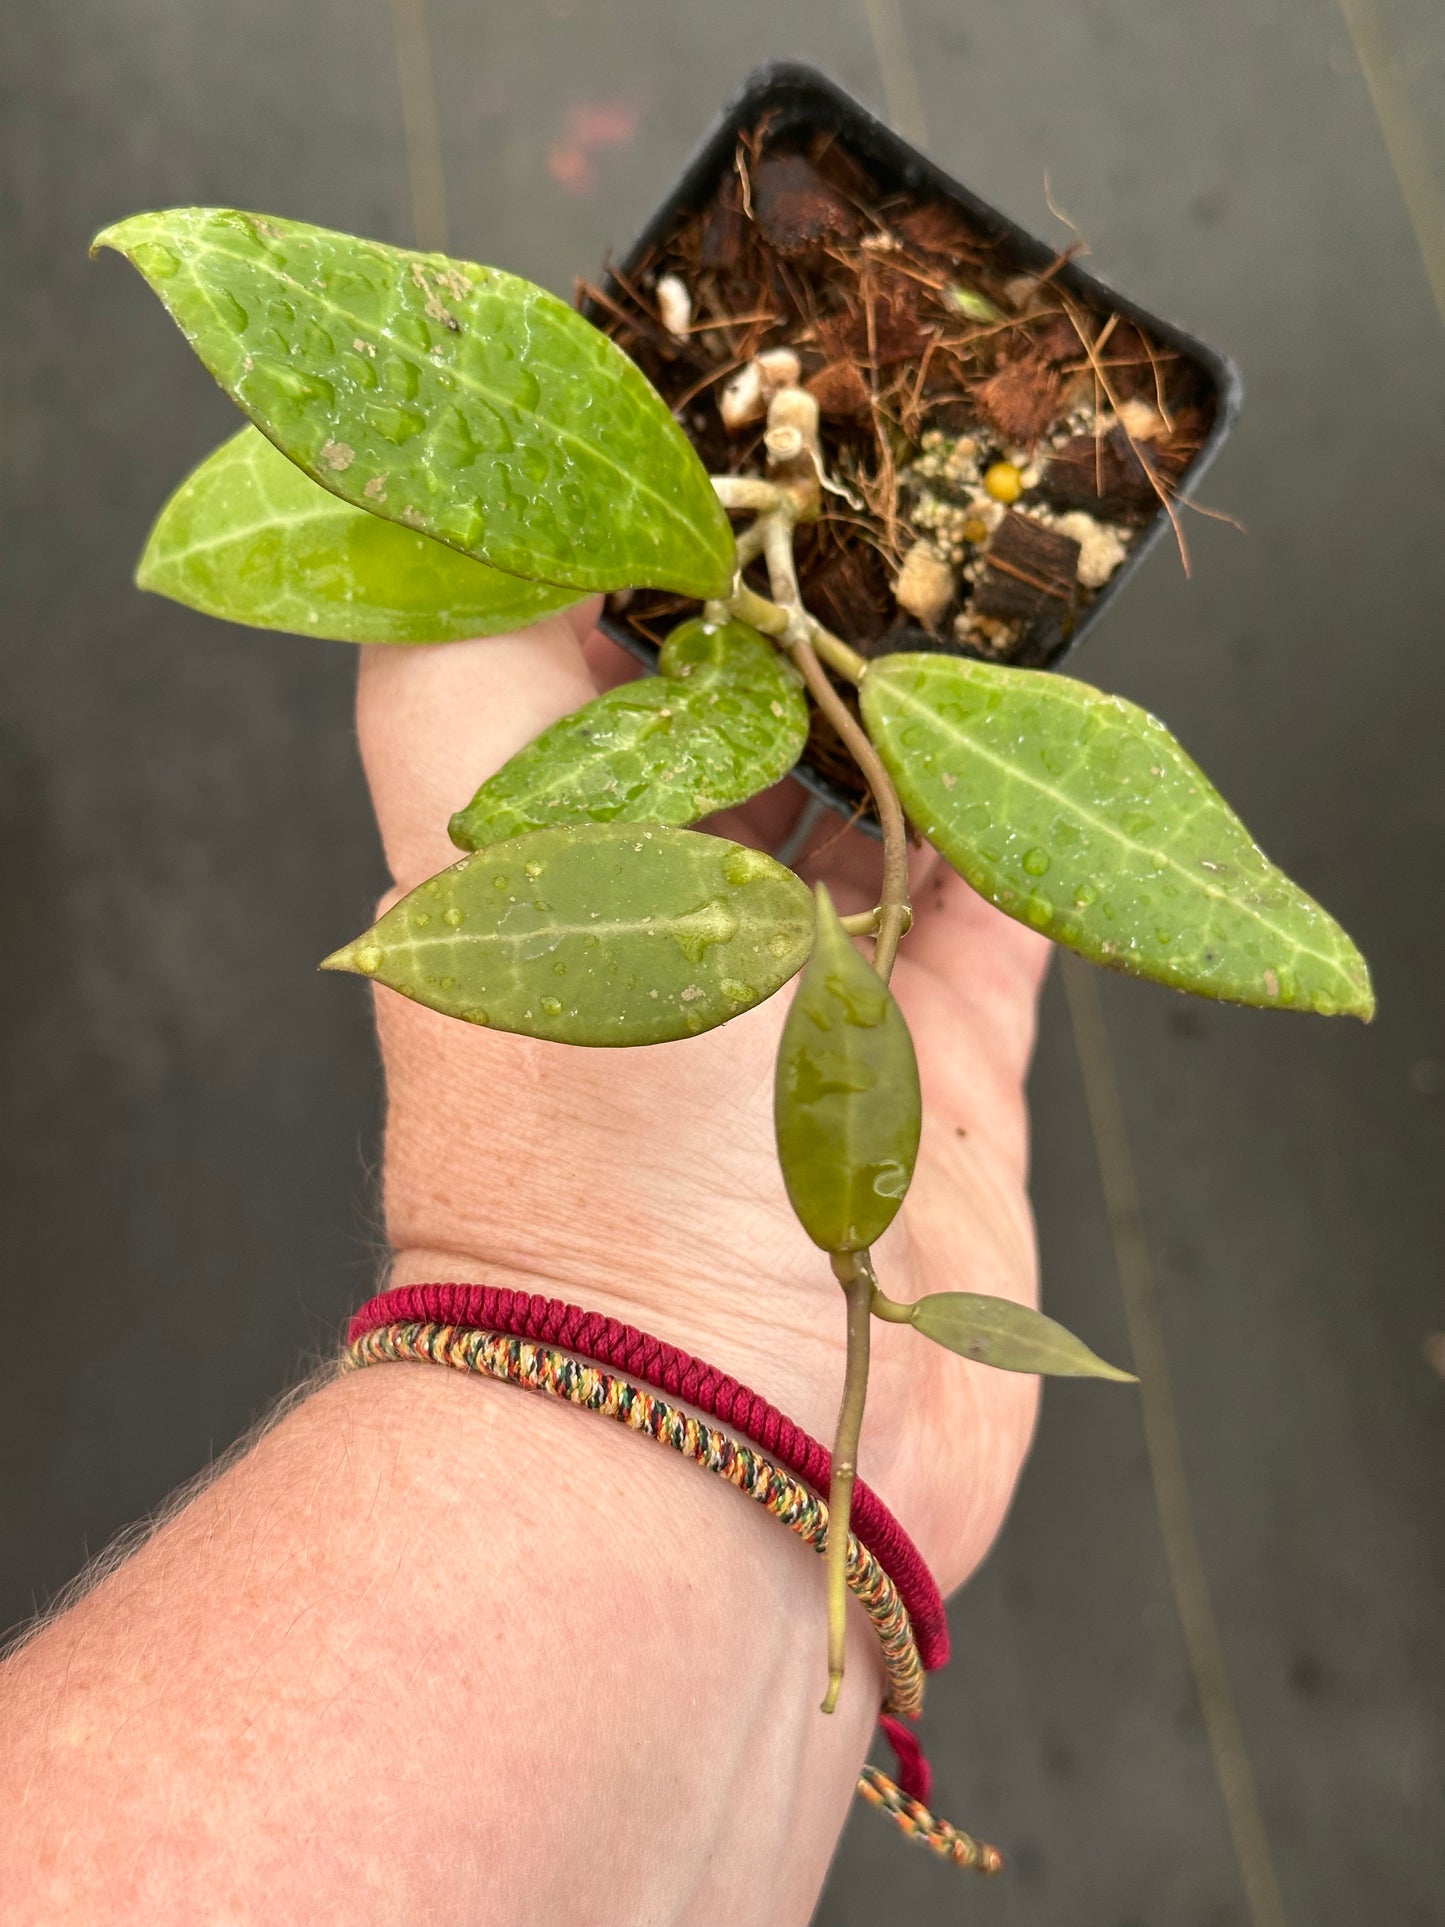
[[1229, 1751], [1183, 1557], [896, 70], [416, 76], [1404, 141]]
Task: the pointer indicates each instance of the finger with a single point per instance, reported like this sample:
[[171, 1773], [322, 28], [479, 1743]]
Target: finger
[[850, 863], [609, 661], [970, 955], [956, 934], [435, 722], [765, 820]]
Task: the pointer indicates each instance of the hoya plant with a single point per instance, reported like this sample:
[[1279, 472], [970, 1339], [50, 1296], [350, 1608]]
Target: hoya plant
[[438, 450]]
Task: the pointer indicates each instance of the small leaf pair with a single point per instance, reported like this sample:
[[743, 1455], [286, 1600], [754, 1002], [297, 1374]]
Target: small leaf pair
[[461, 402], [250, 538], [848, 1115]]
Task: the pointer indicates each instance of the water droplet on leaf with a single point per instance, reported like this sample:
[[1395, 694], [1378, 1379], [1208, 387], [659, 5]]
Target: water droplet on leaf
[[697, 932], [741, 866]]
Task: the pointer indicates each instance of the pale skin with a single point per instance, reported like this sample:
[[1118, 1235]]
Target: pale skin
[[437, 1650]]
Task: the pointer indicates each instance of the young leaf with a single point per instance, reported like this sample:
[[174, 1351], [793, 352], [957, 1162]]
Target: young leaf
[[846, 1102], [607, 933], [996, 1331], [461, 401], [725, 718], [1079, 813], [250, 538]]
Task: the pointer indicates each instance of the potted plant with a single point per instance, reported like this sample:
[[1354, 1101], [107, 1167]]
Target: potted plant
[[945, 346], [870, 462]]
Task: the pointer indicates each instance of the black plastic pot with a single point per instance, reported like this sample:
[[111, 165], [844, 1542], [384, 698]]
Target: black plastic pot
[[800, 100]]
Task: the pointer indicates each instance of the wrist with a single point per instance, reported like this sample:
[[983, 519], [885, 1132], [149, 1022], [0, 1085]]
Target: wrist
[[794, 1365], [420, 1580]]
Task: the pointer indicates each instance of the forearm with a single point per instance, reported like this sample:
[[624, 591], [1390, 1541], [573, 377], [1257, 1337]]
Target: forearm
[[441, 1650]]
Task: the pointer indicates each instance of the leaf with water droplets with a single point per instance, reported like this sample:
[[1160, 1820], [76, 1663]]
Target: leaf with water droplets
[[846, 1102], [249, 538], [1080, 814], [1014, 1338], [724, 719], [604, 933], [459, 400]]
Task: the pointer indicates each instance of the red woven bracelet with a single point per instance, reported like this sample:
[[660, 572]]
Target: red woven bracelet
[[607, 1341]]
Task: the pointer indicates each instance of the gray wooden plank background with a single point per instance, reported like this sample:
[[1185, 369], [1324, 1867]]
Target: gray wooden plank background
[[189, 1114]]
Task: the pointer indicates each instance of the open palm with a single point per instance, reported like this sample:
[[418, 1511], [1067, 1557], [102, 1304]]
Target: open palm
[[644, 1183]]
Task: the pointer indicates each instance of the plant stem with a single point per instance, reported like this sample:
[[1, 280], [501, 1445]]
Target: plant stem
[[842, 660], [865, 922], [808, 643], [782, 568], [855, 1274], [799, 638], [889, 1309], [750, 543], [894, 913], [747, 492], [772, 619], [748, 606]]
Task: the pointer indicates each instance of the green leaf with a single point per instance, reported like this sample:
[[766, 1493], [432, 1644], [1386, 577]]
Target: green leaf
[[1079, 813], [454, 398], [250, 538], [996, 1331], [846, 1099], [725, 718], [608, 933]]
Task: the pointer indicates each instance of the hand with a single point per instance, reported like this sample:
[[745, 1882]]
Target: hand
[[252, 1715], [644, 1183]]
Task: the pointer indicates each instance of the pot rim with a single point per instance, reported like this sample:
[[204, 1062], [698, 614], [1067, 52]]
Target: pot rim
[[812, 97]]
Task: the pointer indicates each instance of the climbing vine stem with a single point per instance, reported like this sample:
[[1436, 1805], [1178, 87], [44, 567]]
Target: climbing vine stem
[[778, 508], [855, 1274]]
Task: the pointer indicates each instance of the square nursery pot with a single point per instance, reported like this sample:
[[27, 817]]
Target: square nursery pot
[[985, 401]]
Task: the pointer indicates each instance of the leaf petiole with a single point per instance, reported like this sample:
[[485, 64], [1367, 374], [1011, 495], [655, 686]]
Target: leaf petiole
[[747, 492], [889, 1309], [866, 922]]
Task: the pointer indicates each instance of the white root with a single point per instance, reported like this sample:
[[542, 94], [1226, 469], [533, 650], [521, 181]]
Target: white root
[[745, 398], [1101, 548], [924, 585], [778, 368], [674, 304], [1139, 421], [741, 401]]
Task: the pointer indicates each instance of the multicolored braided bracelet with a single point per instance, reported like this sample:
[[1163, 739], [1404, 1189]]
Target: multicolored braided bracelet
[[378, 1333]]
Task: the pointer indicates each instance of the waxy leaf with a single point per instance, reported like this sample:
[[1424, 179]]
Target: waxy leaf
[[996, 1331], [457, 399], [726, 717], [846, 1100], [1079, 813], [250, 538], [607, 933]]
